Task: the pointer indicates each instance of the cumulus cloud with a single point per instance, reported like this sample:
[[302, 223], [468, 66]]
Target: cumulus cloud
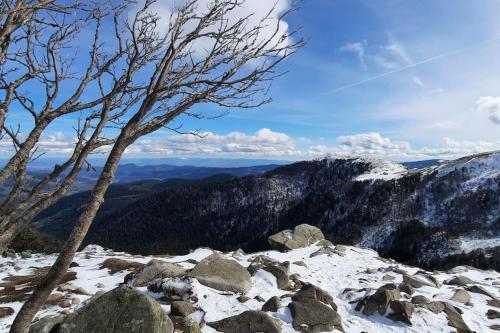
[[254, 11], [489, 105]]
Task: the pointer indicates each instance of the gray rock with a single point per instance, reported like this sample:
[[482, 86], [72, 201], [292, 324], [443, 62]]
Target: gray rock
[[324, 243], [120, 310], [47, 324], [402, 311], [192, 328], [479, 290], [461, 296], [310, 315], [388, 277], [460, 281], [6, 311], [419, 299], [310, 291], [323, 251], [434, 306], [492, 314], [455, 319], [302, 236], [406, 288], [379, 301], [341, 248], [248, 322], [281, 273], [272, 304], [181, 308], [223, 274], [243, 299], [494, 302], [415, 282], [157, 269]]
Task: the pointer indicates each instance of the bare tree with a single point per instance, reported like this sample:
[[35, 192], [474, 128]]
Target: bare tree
[[34, 40], [234, 69]]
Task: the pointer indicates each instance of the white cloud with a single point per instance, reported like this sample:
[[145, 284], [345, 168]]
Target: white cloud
[[358, 48], [254, 11], [490, 105]]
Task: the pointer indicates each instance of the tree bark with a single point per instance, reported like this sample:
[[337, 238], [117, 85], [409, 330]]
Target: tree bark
[[59, 268]]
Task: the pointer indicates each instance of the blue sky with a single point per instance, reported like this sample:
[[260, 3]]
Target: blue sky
[[403, 80]]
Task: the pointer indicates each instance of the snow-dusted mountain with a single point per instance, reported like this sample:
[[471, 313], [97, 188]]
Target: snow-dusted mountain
[[437, 216]]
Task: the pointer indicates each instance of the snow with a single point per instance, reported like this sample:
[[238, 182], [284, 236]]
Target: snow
[[467, 244], [383, 170], [331, 273]]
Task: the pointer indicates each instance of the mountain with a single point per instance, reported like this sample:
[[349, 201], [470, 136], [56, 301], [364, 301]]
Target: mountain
[[433, 217]]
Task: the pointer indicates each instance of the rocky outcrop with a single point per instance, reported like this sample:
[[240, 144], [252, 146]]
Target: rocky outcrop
[[303, 235], [116, 265], [223, 274], [156, 269], [248, 322], [120, 310]]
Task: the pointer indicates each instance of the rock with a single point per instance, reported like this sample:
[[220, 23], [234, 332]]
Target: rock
[[419, 299], [100, 285], [415, 282], [302, 236], [6, 312], [460, 281], [26, 254], [492, 314], [434, 306], [380, 300], [388, 277], [479, 290], [300, 263], [156, 269], [75, 300], [323, 251], [192, 328], [243, 299], [181, 308], [248, 322], [402, 311], [46, 324], [324, 243], [494, 302], [222, 274], [406, 288], [341, 248], [310, 291], [429, 277], [455, 319], [281, 273], [495, 327], [310, 315], [66, 287], [259, 298], [117, 265], [272, 304], [74, 264], [174, 288], [55, 299], [461, 296], [123, 309]]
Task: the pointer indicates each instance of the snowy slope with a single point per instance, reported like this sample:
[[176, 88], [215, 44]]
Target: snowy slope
[[331, 273]]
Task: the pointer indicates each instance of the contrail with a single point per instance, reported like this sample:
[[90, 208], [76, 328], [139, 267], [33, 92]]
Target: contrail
[[415, 64]]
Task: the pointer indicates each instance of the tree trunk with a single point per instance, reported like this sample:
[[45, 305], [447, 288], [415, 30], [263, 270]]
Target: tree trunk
[[59, 268]]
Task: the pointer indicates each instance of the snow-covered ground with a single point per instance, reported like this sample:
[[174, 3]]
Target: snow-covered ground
[[331, 273]]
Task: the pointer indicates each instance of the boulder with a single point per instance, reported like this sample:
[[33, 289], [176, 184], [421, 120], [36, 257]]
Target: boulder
[[434, 306], [388, 277], [323, 251], [460, 281], [479, 290], [461, 296], [66, 287], [310, 315], [181, 308], [494, 302], [455, 319], [120, 310], [156, 269], [419, 299], [6, 311], [223, 274], [406, 288], [380, 300], [324, 243], [310, 291], [116, 265], [192, 328], [302, 236], [248, 322], [492, 314], [416, 282], [47, 324], [402, 311], [272, 304]]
